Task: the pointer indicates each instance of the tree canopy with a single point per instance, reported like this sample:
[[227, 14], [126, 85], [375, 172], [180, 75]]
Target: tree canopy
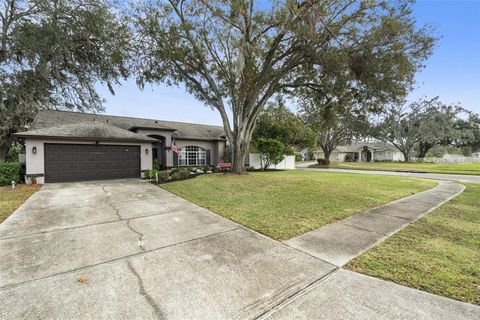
[[52, 53], [332, 127], [439, 125], [277, 122], [423, 124], [236, 55]]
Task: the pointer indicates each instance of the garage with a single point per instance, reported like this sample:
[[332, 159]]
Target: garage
[[81, 162]]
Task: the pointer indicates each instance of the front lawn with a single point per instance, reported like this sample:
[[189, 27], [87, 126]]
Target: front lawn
[[452, 168], [11, 199], [440, 253], [284, 204]]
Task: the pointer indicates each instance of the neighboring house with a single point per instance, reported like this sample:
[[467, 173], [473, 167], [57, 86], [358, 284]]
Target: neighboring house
[[476, 154], [364, 152], [72, 146]]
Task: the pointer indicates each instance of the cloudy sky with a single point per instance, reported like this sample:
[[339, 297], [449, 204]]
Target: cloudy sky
[[452, 72]]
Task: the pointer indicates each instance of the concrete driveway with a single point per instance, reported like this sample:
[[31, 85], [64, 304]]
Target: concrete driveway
[[126, 249]]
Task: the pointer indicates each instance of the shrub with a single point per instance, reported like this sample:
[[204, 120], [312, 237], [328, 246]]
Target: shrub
[[323, 162], [9, 171], [271, 151], [163, 176], [13, 153], [150, 174], [349, 157], [156, 165], [298, 156], [180, 174]]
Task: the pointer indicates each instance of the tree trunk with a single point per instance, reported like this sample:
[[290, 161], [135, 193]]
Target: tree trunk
[[240, 148], [3, 152], [406, 156], [423, 148], [327, 154]]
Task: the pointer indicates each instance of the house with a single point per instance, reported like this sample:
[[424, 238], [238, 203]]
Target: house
[[364, 152], [71, 146]]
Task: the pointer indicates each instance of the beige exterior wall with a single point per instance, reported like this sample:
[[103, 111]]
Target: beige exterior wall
[[216, 149], [168, 141], [35, 163], [388, 155]]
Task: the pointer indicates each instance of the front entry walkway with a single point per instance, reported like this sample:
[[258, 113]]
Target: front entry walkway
[[339, 242], [126, 249]]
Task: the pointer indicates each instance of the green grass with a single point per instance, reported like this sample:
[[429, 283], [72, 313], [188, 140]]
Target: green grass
[[440, 253], [11, 199], [284, 204], [455, 168]]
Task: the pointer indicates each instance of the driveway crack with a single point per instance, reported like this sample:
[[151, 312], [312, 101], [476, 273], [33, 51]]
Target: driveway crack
[[117, 212], [156, 309], [140, 236]]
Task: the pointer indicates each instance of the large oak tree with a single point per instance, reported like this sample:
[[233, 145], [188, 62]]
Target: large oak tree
[[235, 55], [52, 54]]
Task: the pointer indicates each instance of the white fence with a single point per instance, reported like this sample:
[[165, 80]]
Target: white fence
[[448, 158], [288, 162]]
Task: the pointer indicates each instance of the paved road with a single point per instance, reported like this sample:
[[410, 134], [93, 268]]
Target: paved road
[[453, 177], [126, 249]]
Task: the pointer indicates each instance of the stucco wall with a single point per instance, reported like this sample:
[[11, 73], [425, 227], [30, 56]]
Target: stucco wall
[[388, 155], [35, 162], [216, 149], [168, 141]]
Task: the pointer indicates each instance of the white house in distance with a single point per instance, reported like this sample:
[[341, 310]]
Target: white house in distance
[[363, 152]]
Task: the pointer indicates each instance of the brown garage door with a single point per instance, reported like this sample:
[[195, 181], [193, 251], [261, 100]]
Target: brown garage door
[[79, 162]]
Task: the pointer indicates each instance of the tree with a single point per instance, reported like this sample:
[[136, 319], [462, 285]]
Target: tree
[[238, 54], [402, 127], [439, 125], [271, 151], [52, 53], [469, 129], [277, 122], [333, 128]]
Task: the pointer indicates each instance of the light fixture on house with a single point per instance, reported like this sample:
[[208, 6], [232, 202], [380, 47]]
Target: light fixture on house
[[146, 151], [34, 150]]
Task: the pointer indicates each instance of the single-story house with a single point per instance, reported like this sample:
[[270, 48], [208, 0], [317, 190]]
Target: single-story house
[[72, 146], [364, 152]]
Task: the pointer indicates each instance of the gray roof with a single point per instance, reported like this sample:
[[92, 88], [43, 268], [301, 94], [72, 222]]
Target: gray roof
[[92, 130], [358, 146], [181, 130]]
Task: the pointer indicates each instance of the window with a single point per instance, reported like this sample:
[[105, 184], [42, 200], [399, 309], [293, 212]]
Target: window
[[192, 156]]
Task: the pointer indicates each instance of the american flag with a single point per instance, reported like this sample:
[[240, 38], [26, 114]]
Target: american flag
[[173, 147]]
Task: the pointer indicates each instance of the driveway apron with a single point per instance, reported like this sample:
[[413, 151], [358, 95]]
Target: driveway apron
[[126, 249]]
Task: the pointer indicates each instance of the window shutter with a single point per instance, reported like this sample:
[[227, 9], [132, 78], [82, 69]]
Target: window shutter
[[208, 156], [175, 159]]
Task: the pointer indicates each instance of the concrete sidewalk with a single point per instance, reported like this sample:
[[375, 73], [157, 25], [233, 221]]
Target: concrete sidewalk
[[339, 242], [350, 295], [126, 249]]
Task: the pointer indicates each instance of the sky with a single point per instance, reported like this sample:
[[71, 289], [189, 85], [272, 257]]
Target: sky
[[452, 72]]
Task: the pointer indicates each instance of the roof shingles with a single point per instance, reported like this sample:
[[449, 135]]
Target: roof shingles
[[181, 130], [87, 130]]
